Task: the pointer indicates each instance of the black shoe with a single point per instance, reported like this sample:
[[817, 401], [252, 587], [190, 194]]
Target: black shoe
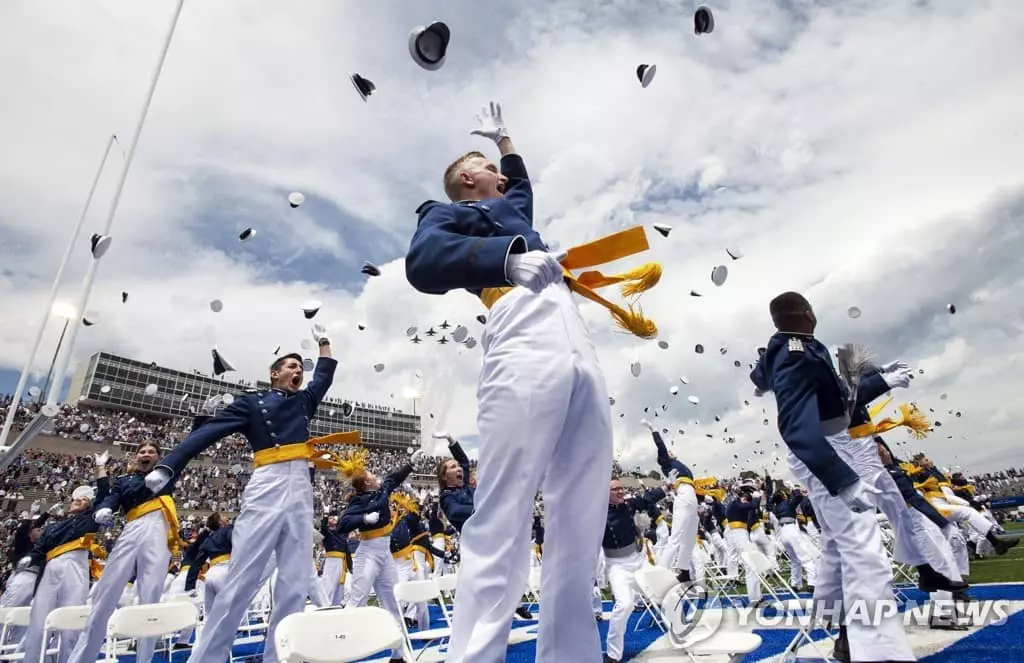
[[1002, 544], [929, 580], [962, 597], [609, 659], [683, 576], [178, 646], [841, 650], [599, 618], [523, 613]]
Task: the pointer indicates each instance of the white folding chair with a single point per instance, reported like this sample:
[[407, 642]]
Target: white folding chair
[[421, 591], [654, 582], [767, 572], [149, 621], [68, 618], [13, 618], [446, 584], [336, 636]]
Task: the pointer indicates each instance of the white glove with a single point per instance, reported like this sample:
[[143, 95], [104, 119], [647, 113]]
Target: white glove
[[441, 435], [417, 456], [55, 509], [371, 518], [157, 479], [758, 393], [648, 424], [101, 459], [35, 507], [672, 476], [534, 270], [24, 562], [859, 497], [894, 365], [104, 517], [491, 124], [319, 332], [210, 406], [899, 377]]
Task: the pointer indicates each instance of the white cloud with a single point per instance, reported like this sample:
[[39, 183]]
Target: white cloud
[[865, 153]]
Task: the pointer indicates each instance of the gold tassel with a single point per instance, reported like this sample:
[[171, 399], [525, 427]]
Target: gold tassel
[[352, 464], [641, 279], [633, 321], [915, 420]]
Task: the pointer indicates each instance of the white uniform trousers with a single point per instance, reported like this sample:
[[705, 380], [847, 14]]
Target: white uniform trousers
[[140, 549], [964, 515], [803, 557], [441, 567], [178, 587], [65, 582], [854, 566], [216, 577], [683, 534], [374, 567], [332, 578], [732, 555], [620, 576], [739, 540], [721, 554], [869, 466], [663, 532], [544, 423], [958, 545], [763, 544], [412, 569], [276, 519], [317, 592], [18, 594]]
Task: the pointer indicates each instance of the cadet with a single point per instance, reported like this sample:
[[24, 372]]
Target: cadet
[[277, 505], [814, 409]]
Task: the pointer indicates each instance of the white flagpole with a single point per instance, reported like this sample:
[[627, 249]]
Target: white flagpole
[[16, 399], [90, 275]]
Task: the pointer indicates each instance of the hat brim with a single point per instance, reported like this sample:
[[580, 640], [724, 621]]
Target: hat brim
[[442, 32], [362, 94], [648, 76]]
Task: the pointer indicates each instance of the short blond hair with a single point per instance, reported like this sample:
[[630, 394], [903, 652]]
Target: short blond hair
[[452, 184]]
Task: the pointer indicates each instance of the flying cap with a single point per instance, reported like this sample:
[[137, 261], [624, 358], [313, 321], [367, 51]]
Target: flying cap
[[663, 228], [248, 233], [470, 343], [295, 199], [151, 389], [703, 21], [719, 274], [220, 364], [674, 390], [124, 296], [347, 409], [645, 74], [951, 308], [90, 318], [99, 244], [460, 334], [694, 400], [428, 45], [370, 269], [378, 367], [216, 305], [854, 312], [307, 365], [482, 319], [663, 345], [363, 86], [311, 308], [734, 253], [635, 368]]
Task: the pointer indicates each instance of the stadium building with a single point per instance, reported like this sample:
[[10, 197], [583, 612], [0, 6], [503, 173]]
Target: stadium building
[[106, 380]]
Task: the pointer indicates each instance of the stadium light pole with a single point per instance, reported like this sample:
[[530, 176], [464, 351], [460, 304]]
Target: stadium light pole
[[30, 359], [90, 276]]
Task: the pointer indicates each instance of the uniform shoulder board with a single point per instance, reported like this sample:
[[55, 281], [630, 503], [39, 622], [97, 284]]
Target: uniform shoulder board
[[252, 391], [795, 344], [424, 206]]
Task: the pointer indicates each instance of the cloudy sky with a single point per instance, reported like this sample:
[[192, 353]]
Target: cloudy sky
[[864, 153]]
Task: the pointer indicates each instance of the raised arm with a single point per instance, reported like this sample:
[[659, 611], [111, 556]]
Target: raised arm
[[323, 376], [232, 419]]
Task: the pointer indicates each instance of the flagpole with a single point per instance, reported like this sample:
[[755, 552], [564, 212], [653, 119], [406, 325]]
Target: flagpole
[[90, 275], [16, 398]]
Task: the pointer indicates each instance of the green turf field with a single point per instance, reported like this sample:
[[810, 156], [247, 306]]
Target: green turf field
[[1001, 568]]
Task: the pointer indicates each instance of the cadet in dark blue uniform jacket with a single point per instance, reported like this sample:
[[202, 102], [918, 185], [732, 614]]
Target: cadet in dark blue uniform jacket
[[456, 498], [215, 551], [622, 545], [336, 562], [277, 505], [814, 406], [62, 552], [21, 583], [542, 403], [143, 549], [678, 552]]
